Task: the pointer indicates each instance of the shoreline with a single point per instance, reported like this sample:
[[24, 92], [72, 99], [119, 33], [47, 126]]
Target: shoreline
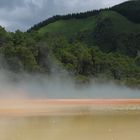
[[48, 107], [72, 101]]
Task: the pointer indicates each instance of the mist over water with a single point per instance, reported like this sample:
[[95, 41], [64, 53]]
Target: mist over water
[[37, 86], [35, 127]]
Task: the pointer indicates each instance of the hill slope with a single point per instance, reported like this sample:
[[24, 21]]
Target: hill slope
[[130, 9], [109, 29], [71, 26]]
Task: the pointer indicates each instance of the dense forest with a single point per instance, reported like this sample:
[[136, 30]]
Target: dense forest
[[102, 44]]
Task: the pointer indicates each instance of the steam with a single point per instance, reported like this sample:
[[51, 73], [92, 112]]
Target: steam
[[38, 86]]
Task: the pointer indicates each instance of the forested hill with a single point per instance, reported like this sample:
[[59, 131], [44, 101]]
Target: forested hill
[[130, 9], [109, 29], [101, 44]]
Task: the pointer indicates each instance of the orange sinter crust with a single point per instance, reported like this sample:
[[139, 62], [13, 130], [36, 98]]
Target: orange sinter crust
[[63, 106]]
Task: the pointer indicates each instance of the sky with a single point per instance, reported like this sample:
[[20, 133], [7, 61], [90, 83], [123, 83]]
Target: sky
[[22, 14]]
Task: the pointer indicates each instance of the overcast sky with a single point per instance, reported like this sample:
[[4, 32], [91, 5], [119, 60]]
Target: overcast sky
[[22, 14]]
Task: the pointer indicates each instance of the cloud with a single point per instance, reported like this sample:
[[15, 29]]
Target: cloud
[[22, 14]]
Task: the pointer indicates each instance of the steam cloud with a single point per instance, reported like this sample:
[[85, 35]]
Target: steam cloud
[[39, 86]]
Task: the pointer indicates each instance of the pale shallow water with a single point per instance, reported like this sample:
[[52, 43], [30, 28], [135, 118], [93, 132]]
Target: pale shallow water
[[98, 126]]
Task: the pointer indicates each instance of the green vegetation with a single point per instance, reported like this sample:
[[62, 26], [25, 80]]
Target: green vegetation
[[103, 44], [130, 10], [72, 26], [69, 27]]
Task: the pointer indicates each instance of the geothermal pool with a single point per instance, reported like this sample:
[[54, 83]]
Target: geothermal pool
[[70, 120]]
